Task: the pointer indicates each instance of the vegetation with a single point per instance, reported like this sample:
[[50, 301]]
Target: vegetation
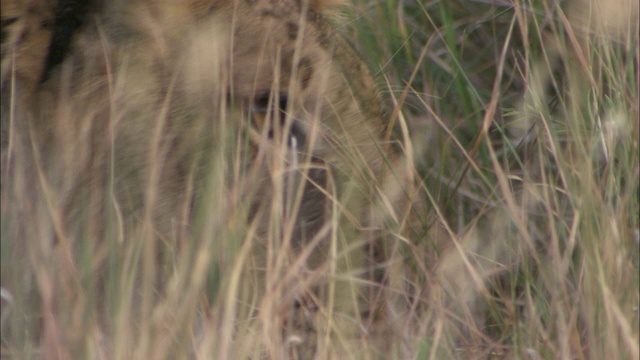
[[528, 112], [524, 241]]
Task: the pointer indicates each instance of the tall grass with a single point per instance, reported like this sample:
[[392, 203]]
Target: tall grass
[[523, 243], [529, 112]]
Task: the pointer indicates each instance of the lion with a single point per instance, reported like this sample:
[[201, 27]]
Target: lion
[[171, 138]]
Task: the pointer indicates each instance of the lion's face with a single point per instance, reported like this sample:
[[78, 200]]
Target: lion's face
[[206, 124]]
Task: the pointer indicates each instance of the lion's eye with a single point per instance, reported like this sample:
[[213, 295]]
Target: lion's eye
[[269, 109], [261, 103]]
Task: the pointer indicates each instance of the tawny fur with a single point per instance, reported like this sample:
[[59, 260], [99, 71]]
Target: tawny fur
[[139, 135]]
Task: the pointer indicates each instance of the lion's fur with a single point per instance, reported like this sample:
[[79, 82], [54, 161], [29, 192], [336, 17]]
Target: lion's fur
[[166, 123]]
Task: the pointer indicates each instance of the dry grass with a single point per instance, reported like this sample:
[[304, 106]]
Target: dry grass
[[529, 112], [524, 243]]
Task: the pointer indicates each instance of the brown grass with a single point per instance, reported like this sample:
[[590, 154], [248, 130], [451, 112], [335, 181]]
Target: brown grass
[[519, 121]]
